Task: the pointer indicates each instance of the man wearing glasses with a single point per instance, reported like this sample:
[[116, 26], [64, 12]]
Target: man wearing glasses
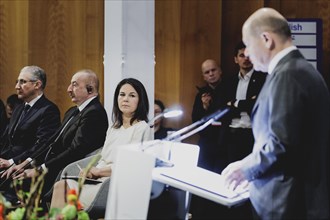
[[32, 123]]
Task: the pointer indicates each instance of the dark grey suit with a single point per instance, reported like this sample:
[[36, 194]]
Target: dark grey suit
[[32, 131], [288, 165], [85, 133]]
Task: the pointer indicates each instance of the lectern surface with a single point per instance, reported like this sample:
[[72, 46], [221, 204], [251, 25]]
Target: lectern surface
[[201, 182]]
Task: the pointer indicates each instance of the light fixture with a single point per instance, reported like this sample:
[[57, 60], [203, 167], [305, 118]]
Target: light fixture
[[167, 113]]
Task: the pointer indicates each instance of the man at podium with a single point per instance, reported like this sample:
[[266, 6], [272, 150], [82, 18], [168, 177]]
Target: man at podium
[[287, 169]]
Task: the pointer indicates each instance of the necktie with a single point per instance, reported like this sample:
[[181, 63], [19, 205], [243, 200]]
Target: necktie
[[25, 110]]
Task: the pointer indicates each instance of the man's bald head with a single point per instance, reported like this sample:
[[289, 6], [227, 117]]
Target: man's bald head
[[211, 72], [265, 33], [267, 20]]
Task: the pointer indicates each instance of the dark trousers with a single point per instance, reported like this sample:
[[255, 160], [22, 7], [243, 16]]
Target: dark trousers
[[239, 143]]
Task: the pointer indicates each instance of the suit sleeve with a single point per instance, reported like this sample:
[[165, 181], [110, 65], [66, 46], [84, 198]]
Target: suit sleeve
[[283, 122], [198, 111], [89, 136]]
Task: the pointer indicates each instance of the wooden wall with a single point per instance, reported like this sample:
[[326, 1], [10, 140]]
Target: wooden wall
[[187, 32], [64, 36], [60, 36]]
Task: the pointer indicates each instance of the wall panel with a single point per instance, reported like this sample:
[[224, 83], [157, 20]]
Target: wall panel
[[187, 33], [60, 36], [13, 43]]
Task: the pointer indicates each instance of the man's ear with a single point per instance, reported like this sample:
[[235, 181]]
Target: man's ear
[[235, 59], [267, 40], [38, 84]]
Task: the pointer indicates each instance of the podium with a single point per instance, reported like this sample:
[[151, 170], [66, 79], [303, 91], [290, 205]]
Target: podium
[[181, 172]]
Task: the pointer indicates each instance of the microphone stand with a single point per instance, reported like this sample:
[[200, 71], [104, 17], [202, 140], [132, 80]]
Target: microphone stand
[[205, 121], [187, 131]]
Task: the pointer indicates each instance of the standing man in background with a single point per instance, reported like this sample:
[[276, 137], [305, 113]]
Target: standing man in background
[[288, 168], [245, 88], [209, 99], [32, 123], [212, 155]]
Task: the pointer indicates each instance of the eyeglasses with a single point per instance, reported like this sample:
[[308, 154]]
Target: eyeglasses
[[23, 81]]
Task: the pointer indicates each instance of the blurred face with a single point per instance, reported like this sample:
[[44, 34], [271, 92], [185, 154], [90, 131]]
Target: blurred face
[[211, 72], [77, 89], [128, 100], [243, 61], [26, 86], [157, 111], [255, 50], [9, 111]]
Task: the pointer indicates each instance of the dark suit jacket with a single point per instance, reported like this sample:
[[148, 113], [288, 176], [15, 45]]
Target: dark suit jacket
[[85, 133], [38, 125], [3, 118], [255, 84], [289, 163]]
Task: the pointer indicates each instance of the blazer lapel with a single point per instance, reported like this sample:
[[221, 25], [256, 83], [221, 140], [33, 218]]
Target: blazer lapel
[[15, 119], [260, 96]]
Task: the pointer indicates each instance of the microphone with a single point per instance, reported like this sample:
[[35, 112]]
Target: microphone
[[167, 113], [205, 121]]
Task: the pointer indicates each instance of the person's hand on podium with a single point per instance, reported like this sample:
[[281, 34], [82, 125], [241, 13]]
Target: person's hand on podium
[[234, 176]]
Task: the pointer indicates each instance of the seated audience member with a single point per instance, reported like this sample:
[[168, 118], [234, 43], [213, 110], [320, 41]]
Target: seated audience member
[[3, 118], [31, 124], [130, 117], [160, 131], [12, 102], [83, 130]]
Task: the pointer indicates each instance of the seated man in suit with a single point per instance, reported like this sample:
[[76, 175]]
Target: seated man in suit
[[83, 130], [32, 123], [3, 118]]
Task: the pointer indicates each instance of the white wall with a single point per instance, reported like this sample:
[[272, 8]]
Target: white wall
[[129, 47]]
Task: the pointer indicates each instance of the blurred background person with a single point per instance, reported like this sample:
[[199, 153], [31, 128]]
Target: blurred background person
[[12, 102], [3, 118], [160, 131]]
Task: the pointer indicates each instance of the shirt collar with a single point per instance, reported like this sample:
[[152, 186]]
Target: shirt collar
[[278, 57], [247, 76], [33, 101], [85, 103]]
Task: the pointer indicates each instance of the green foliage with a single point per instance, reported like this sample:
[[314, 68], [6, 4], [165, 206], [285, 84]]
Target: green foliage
[[30, 201]]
